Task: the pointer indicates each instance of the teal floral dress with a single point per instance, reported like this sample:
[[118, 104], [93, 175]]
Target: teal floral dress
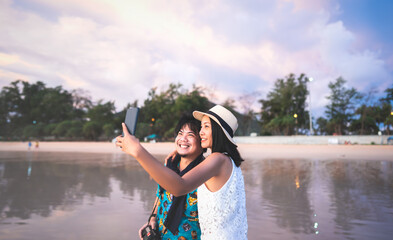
[[189, 224]]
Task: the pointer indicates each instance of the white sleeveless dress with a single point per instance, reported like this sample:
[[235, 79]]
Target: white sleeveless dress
[[222, 214]]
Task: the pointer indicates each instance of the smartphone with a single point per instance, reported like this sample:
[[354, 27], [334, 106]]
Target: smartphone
[[131, 119]]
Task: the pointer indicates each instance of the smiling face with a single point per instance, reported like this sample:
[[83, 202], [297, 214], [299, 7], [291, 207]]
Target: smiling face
[[188, 143], [206, 132]]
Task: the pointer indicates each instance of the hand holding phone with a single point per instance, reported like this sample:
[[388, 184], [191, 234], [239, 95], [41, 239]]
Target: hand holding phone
[[131, 119]]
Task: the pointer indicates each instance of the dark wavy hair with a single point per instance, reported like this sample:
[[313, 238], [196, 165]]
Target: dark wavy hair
[[190, 121], [222, 144]]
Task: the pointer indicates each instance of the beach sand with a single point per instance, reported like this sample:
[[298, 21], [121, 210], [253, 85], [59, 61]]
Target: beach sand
[[248, 151]]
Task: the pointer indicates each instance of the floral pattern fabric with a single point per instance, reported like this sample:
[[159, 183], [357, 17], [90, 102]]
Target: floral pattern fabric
[[189, 224]]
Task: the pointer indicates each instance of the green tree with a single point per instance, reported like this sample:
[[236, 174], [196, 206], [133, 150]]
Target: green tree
[[341, 109], [10, 116], [34, 110], [33, 131], [388, 122], [75, 131], [248, 118], [162, 111], [366, 124], [109, 130], [62, 128], [229, 104], [49, 128], [71, 129], [386, 110], [143, 130], [81, 103], [43, 104], [322, 124], [99, 115], [389, 95], [158, 110], [102, 112], [92, 130], [25, 104], [287, 98], [367, 112], [3, 118]]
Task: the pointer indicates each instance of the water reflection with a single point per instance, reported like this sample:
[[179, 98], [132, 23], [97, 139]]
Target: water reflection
[[101, 196], [284, 188], [362, 196], [299, 199], [37, 187], [34, 186]]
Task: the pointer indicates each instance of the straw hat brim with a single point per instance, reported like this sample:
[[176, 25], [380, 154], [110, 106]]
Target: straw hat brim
[[199, 115]]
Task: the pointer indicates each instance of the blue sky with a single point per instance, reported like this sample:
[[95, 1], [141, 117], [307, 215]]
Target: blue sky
[[371, 17], [118, 50]]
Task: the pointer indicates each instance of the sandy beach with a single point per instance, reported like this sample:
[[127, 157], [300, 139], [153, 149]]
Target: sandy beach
[[248, 151]]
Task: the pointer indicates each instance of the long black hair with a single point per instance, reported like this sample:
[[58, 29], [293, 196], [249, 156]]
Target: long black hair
[[222, 144]]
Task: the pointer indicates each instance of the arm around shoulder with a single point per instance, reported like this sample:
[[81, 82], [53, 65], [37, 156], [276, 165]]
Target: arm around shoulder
[[211, 167]]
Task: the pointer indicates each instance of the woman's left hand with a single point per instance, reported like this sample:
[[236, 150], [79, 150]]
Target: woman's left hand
[[128, 143]]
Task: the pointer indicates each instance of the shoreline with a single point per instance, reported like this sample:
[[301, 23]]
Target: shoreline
[[247, 151]]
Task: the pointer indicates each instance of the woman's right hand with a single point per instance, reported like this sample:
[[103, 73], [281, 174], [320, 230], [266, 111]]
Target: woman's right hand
[[128, 143]]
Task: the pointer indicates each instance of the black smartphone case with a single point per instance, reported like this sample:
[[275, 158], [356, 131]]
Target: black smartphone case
[[131, 119]]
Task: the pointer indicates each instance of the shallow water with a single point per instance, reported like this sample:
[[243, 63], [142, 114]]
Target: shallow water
[[108, 196]]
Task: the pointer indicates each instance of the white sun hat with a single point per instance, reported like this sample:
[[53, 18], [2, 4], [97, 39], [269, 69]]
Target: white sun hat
[[222, 117]]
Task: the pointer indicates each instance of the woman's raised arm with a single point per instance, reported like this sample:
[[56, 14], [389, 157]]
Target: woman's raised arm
[[165, 177]]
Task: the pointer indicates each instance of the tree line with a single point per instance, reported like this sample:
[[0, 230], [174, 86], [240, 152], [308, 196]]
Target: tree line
[[284, 111], [35, 111]]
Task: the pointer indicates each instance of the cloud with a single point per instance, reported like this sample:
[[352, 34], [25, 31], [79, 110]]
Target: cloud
[[119, 50]]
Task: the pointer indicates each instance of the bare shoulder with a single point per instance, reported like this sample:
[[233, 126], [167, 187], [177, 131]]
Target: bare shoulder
[[217, 157], [222, 170]]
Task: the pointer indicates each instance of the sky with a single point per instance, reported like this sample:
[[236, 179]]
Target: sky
[[118, 50]]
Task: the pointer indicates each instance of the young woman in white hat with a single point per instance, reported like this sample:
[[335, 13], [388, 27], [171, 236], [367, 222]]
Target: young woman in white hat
[[220, 183]]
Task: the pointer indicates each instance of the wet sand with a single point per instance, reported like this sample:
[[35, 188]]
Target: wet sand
[[248, 151], [91, 190]]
